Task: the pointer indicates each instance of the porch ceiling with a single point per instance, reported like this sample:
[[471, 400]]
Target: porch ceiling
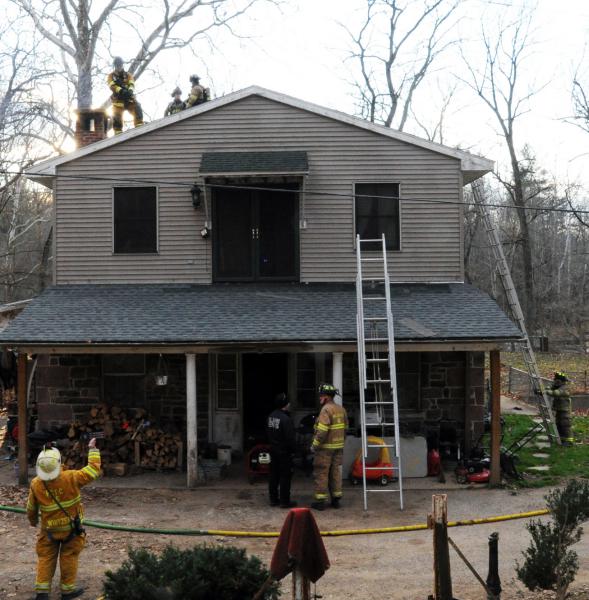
[[94, 315]]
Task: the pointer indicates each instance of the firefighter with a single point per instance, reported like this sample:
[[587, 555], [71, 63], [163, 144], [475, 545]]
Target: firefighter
[[328, 447], [122, 86], [562, 405], [282, 438], [177, 105], [55, 493], [198, 93]]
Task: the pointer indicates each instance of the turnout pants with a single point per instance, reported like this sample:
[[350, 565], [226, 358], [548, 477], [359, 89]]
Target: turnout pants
[[119, 107], [48, 552], [280, 476], [327, 472]]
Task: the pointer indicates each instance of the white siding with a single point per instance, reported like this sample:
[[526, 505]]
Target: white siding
[[339, 155]]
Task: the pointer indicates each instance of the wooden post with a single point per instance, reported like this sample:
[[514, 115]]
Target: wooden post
[[467, 404], [191, 423], [337, 375], [493, 579], [495, 362], [23, 420], [301, 586], [438, 522]]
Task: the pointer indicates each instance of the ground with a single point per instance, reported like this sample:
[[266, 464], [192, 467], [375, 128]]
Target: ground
[[366, 566]]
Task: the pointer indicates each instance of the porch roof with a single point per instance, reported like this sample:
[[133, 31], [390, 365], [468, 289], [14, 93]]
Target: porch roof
[[95, 315]]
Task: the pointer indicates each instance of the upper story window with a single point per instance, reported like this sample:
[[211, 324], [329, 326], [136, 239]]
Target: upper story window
[[377, 212], [135, 220]]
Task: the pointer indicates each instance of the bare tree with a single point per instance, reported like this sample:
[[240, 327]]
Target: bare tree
[[80, 33], [394, 50], [497, 83]]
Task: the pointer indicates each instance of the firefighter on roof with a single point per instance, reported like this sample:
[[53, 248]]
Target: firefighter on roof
[[177, 103], [56, 495], [122, 86], [198, 93], [328, 446]]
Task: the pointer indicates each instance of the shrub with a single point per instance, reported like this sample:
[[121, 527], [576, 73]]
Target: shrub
[[549, 564], [203, 572]]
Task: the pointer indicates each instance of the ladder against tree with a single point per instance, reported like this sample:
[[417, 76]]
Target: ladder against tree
[[379, 409], [525, 346]]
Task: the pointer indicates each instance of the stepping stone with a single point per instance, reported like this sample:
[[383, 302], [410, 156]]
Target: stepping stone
[[541, 455], [541, 445], [537, 419], [539, 468]]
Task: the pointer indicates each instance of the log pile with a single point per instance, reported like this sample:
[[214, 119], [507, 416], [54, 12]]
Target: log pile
[[124, 437]]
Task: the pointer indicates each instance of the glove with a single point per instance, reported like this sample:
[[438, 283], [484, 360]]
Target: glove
[[92, 443], [127, 94], [312, 449]]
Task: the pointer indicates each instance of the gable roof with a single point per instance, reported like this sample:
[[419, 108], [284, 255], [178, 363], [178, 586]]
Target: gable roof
[[128, 314], [472, 166]]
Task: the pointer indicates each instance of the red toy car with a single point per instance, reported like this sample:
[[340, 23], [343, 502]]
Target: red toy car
[[380, 470]]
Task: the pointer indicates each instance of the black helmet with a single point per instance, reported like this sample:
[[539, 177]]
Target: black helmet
[[194, 79], [117, 62], [327, 389], [177, 92], [560, 376]]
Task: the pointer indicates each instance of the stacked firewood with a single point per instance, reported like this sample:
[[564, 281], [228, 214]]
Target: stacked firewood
[[125, 437]]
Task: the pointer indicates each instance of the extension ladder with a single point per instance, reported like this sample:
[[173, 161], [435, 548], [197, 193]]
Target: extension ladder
[[376, 366], [542, 401]]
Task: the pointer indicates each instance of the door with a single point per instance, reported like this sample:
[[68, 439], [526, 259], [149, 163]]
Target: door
[[255, 234], [264, 376]]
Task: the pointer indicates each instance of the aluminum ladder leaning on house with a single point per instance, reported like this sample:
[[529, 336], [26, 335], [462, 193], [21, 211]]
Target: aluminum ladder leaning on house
[[376, 361], [542, 401]]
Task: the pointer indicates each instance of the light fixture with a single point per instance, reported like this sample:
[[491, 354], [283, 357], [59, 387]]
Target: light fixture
[[204, 232], [195, 192]]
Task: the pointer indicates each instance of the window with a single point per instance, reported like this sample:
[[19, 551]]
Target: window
[[124, 379], [135, 220], [227, 391], [306, 381], [377, 212]]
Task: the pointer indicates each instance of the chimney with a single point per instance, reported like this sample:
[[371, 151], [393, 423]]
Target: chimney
[[91, 126]]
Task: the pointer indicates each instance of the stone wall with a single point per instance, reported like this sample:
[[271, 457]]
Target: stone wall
[[67, 386]]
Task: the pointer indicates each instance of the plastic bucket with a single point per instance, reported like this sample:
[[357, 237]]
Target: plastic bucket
[[224, 454]]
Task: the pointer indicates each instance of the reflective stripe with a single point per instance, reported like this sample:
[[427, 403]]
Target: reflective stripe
[[90, 470], [322, 427], [338, 426], [334, 446], [65, 504], [42, 587], [315, 444], [67, 587], [320, 496]]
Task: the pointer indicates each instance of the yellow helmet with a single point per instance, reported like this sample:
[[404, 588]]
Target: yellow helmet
[[48, 464]]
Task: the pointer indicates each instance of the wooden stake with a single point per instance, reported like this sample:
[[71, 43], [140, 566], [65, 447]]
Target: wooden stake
[[438, 521], [23, 420], [301, 586], [495, 361]]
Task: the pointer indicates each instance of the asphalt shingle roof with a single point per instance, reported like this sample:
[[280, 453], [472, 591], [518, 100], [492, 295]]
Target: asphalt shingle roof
[[204, 314], [254, 162]]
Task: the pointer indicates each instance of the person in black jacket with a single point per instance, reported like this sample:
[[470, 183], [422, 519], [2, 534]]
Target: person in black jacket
[[281, 435]]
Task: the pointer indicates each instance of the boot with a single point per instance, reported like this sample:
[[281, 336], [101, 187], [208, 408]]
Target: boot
[[70, 595], [320, 505], [289, 504], [335, 502], [41, 596]]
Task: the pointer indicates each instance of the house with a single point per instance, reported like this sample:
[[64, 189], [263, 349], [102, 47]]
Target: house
[[223, 239]]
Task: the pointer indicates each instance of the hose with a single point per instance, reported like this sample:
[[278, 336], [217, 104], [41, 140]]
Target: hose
[[275, 534]]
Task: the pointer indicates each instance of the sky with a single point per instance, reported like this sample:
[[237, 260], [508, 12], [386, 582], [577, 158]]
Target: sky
[[301, 48]]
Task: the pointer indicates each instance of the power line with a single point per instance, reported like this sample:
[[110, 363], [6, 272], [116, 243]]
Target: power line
[[306, 191]]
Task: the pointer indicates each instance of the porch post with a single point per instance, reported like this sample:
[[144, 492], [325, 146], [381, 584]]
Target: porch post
[[495, 362], [23, 419], [337, 375], [191, 426]]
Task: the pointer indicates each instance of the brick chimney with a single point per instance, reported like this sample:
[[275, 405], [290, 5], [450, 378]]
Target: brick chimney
[[90, 126]]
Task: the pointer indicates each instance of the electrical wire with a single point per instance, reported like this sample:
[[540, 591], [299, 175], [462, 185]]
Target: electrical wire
[[307, 192]]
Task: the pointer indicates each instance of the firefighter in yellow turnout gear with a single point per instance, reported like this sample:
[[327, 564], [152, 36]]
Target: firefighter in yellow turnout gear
[[55, 493], [328, 447], [562, 406], [122, 86]]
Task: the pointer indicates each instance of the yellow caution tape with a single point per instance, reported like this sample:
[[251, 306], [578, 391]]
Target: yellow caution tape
[[274, 534]]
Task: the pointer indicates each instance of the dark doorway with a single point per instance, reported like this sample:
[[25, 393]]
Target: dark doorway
[[256, 234], [264, 376]]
